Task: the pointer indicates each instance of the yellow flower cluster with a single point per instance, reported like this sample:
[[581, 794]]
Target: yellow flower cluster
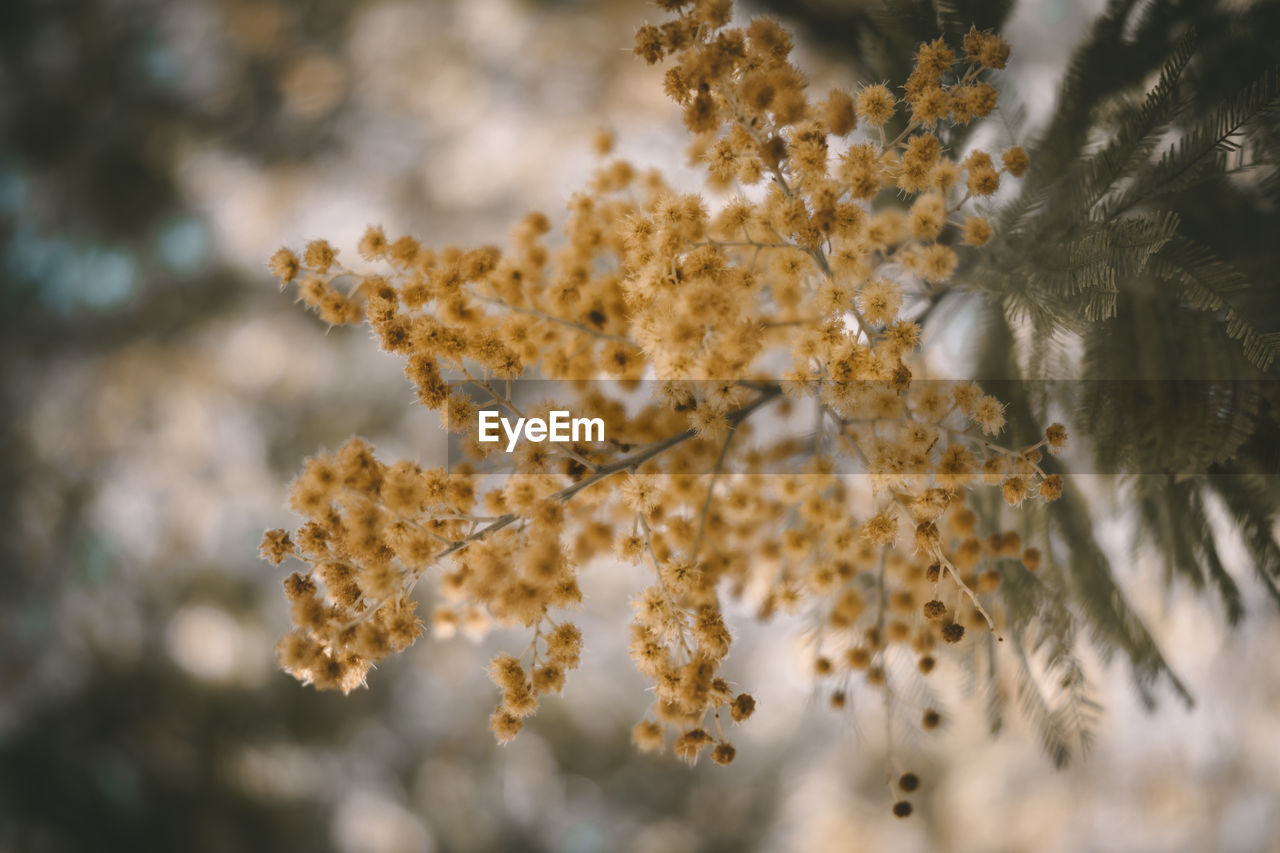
[[787, 293]]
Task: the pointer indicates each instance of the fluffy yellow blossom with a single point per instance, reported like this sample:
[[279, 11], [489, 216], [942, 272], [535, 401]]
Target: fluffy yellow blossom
[[707, 312], [876, 104]]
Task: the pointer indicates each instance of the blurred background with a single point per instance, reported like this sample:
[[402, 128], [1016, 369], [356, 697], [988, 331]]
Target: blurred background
[[159, 392]]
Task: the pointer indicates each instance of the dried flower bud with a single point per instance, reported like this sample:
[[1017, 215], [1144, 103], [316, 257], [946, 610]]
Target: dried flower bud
[[276, 546], [876, 105], [723, 753], [1051, 487], [1016, 162], [647, 736], [504, 725], [1015, 490]]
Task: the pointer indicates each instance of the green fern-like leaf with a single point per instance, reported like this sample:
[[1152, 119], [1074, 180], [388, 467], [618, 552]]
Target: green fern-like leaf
[[1219, 133], [1206, 281]]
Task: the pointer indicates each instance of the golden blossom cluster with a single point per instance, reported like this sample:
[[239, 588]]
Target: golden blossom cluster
[[782, 290]]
